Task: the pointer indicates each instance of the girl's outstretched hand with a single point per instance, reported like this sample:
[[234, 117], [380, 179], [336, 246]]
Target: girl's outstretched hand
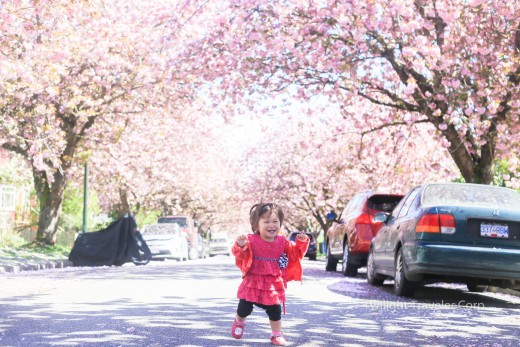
[[241, 240], [302, 237]]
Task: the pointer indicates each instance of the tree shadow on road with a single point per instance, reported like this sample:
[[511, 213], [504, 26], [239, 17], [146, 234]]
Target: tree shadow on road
[[193, 304]]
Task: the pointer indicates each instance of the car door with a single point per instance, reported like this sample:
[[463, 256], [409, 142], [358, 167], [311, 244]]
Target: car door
[[337, 231], [378, 244], [349, 221], [381, 241], [393, 228]]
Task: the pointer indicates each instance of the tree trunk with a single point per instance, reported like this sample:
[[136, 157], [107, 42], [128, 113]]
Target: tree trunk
[[124, 206], [476, 167], [51, 200]]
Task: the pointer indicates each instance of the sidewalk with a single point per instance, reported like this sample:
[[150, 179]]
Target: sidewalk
[[10, 262], [29, 265]]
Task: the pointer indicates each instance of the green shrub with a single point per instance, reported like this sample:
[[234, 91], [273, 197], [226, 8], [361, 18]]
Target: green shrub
[[10, 238]]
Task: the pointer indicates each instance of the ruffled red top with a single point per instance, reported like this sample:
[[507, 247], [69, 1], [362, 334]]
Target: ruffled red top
[[263, 280]]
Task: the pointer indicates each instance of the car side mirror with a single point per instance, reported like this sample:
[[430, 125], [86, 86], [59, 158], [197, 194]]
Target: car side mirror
[[331, 216], [380, 217]]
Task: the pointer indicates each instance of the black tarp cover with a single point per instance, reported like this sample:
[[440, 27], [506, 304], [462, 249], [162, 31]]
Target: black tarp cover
[[119, 243]]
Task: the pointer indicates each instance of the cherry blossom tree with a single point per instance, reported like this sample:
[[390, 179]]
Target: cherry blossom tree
[[319, 163], [73, 72], [95, 80], [171, 165], [452, 63]]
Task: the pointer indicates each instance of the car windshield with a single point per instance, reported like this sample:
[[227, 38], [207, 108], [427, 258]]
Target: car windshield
[[470, 195], [180, 221], [161, 229]]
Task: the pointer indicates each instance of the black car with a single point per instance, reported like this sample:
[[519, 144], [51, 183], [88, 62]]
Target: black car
[[312, 251]]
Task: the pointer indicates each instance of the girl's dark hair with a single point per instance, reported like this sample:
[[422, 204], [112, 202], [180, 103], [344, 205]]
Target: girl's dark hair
[[258, 210]]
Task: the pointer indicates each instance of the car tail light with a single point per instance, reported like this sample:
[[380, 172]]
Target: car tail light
[[436, 223], [363, 219], [367, 219], [447, 223]]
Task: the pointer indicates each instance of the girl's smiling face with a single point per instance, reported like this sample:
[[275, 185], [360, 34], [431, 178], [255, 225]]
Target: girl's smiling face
[[269, 226]]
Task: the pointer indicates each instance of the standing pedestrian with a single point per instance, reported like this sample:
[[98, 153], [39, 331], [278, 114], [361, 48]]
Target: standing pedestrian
[[267, 261]]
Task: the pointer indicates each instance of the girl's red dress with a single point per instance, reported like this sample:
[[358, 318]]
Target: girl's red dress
[[263, 281]]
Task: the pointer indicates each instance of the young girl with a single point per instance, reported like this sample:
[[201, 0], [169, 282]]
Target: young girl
[[267, 261]]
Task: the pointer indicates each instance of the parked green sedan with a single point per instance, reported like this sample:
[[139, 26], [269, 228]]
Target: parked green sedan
[[449, 232]]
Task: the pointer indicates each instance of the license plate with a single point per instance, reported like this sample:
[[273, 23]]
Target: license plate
[[498, 231]]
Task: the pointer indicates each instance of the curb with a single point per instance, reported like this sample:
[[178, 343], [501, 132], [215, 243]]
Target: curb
[[513, 292], [50, 264]]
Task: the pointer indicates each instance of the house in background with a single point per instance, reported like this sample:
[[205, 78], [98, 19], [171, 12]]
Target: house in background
[[18, 217], [15, 199], [15, 205]]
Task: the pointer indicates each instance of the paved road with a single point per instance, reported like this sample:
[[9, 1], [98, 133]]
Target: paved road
[[192, 304]]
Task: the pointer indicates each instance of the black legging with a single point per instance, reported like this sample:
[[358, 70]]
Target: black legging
[[246, 307]]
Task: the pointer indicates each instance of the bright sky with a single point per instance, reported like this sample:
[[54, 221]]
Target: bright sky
[[245, 131]]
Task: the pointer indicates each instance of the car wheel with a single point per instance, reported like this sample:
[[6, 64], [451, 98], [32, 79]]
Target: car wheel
[[312, 257], [402, 286], [373, 277], [347, 268], [331, 262], [476, 288]]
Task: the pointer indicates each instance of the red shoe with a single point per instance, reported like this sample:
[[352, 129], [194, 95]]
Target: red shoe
[[278, 340], [237, 330]]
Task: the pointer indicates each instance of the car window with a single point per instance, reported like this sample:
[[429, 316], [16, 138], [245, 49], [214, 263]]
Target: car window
[[357, 202], [399, 206], [180, 221], [161, 229], [383, 203], [349, 208], [406, 206], [345, 213], [470, 194], [360, 203]]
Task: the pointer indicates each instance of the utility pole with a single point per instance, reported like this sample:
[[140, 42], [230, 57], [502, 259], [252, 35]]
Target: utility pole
[[85, 199]]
